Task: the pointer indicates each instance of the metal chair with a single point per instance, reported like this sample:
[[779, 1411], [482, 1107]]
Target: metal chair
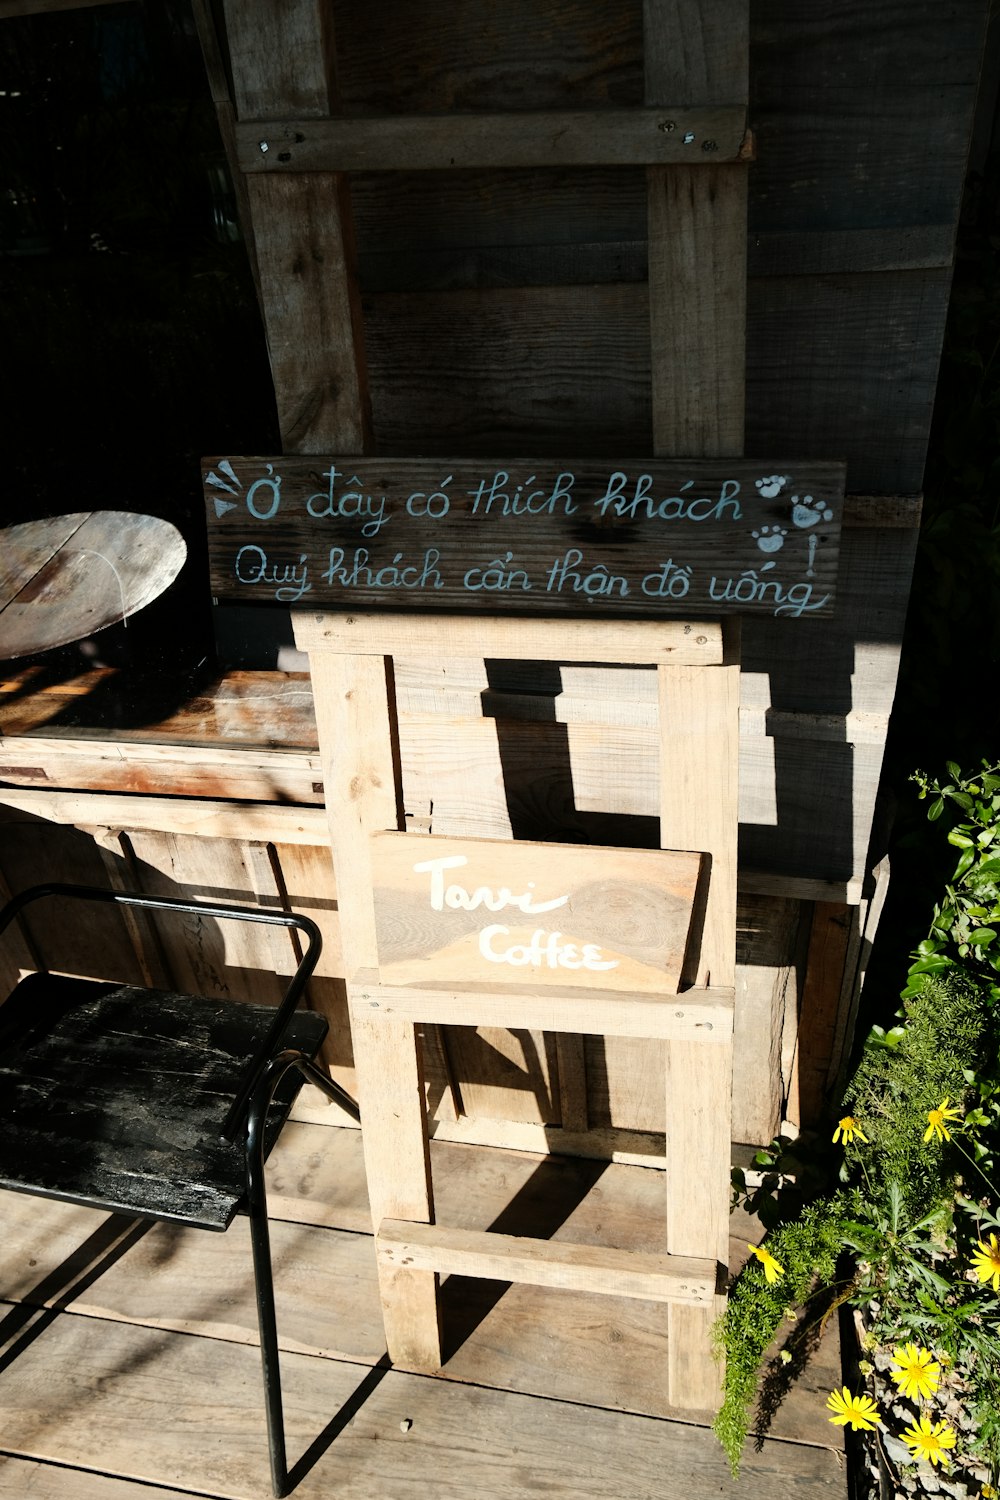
[[160, 1105]]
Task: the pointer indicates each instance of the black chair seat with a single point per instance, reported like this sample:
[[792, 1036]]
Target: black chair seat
[[115, 1096]]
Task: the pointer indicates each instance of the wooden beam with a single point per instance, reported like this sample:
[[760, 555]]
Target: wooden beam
[[551, 1263], [704, 1016], [282, 62], [658, 641], [697, 236], [519, 139], [357, 738], [180, 815]]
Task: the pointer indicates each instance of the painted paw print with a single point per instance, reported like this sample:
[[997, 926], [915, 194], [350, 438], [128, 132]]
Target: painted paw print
[[807, 511], [770, 538], [772, 485]]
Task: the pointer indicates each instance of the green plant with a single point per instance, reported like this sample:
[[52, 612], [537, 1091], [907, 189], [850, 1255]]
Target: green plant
[[893, 1220], [966, 920]]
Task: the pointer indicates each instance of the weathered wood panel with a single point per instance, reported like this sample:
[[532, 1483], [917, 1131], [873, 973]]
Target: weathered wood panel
[[526, 537], [615, 919], [522, 139]]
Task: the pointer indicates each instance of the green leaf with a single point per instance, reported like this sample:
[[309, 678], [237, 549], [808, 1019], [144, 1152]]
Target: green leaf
[[960, 840], [965, 859], [982, 937], [935, 810], [954, 769]]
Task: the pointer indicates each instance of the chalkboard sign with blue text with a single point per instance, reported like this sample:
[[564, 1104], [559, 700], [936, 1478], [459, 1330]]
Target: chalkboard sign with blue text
[[541, 536]]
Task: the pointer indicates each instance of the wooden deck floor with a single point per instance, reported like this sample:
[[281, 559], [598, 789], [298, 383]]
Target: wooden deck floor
[[129, 1370]]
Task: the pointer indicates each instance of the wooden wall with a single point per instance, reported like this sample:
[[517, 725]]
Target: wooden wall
[[507, 313]]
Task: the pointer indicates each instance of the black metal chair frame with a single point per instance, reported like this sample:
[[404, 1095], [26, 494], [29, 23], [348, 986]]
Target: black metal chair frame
[[248, 1113]]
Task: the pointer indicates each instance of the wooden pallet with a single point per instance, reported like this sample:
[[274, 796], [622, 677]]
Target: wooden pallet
[[349, 656]]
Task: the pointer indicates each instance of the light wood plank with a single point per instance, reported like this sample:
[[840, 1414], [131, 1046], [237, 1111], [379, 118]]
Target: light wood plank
[[162, 1407], [699, 740], [699, 747], [595, 1349], [187, 817], [571, 1060], [670, 641], [356, 736], [496, 913], [45, 1481], [514, 139], [580, 1268], [702, 1017]]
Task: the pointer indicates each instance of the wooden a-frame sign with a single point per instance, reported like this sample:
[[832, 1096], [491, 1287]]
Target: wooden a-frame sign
[[590, 537]]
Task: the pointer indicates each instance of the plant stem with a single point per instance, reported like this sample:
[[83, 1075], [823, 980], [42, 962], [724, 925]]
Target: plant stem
[[992, 1187]]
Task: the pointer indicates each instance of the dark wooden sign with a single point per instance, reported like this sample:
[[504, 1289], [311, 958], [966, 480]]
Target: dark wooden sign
[[544, 536]]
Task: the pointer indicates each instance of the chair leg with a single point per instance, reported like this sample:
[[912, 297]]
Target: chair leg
[[260, 1241]]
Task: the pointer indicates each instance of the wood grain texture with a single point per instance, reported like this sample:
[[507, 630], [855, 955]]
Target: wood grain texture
[[699, 786], [824, 978], [697, 306], [303, 234], [536, 1262], [702, 1015], [695, 52], [814, 348], [356, 733], [565, 640], [595, 1350], [578, 53], [311, 316], [160, 1405], [526, 537], [281, 60], [25, 549], [461, 911], [697, 237], [525, 139], [66, 579]]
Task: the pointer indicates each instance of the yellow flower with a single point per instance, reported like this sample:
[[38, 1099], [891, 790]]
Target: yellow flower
[[937, 1121], [772, 1270], [927, 1439], [917, 1373], [860, 1411], [849, 1128], [986, 1262]]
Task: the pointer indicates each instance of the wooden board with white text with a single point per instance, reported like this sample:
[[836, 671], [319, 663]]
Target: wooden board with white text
[[644, 537], [478, 911]]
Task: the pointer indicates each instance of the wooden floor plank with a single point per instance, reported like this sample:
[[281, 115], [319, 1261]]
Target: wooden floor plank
[[591, 1349], [23, 1478], [186, 1412]]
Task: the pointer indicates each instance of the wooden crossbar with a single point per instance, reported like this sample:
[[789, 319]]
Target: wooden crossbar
[[667, 135], [551, 1263], [637, 642], [705, 1015]]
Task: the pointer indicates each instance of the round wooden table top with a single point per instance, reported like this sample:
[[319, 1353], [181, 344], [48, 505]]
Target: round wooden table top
[[66, 578]]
